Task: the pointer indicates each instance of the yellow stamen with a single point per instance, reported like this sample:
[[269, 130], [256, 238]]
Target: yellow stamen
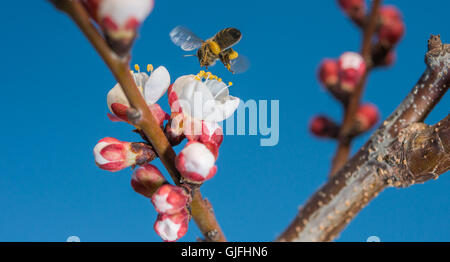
[[197, 78], [149, 68], [230, 83], [137, 68], [220, 79]]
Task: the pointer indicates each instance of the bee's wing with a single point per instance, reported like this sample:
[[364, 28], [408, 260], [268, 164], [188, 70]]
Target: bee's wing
[[184, 38], [228, 37], [240, 64]]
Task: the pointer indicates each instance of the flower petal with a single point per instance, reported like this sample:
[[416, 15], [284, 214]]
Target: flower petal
[[116, 95], [218, 89], [196, 100], [156, 85], [223, 109]]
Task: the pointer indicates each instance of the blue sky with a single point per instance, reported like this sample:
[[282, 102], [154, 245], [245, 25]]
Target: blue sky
[[54, 111]]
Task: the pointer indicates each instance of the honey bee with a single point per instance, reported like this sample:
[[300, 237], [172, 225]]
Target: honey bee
[[215, 48]]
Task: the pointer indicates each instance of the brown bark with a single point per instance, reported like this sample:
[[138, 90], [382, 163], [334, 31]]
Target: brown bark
[[385, 160]]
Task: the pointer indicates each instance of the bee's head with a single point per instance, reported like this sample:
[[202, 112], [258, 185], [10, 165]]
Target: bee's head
[[200, 54]]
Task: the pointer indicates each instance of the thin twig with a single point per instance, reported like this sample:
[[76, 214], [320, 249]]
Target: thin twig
[[344, 140], [201, 211]]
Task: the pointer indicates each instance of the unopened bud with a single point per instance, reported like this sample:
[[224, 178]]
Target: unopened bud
[[172, 227], [147, 179], [120, 20], [353, 8], [170, 199], [351, 69], [196, 162], [329, 72], [392, 27], [322, 126], [366, 117], [114, 155]]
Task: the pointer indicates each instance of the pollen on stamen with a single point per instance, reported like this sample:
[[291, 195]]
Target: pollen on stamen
[[137, 68], [230, 83], [149, 68]]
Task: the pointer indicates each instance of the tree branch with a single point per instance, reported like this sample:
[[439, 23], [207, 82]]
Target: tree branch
[[385, 160], [201, 209]]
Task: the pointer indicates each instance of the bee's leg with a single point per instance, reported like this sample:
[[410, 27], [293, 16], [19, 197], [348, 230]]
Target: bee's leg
[[228, 66]]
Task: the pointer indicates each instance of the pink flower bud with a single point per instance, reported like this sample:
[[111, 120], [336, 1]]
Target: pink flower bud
[[366, 116], [351, 69], [119, 111], [120, 20], [392, 27], [172, 227], [390, 14], [169, 199], [391, 34], [196, 162], [211, 133], [352, 7], [114, 155], [329, 72], [147, 179], [322, 126]]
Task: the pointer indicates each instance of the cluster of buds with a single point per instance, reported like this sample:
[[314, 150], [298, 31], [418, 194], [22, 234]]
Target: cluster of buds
[[366, 118], [390, 28], [340, 77], [198, 103], [119, 20], [173, 217]]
